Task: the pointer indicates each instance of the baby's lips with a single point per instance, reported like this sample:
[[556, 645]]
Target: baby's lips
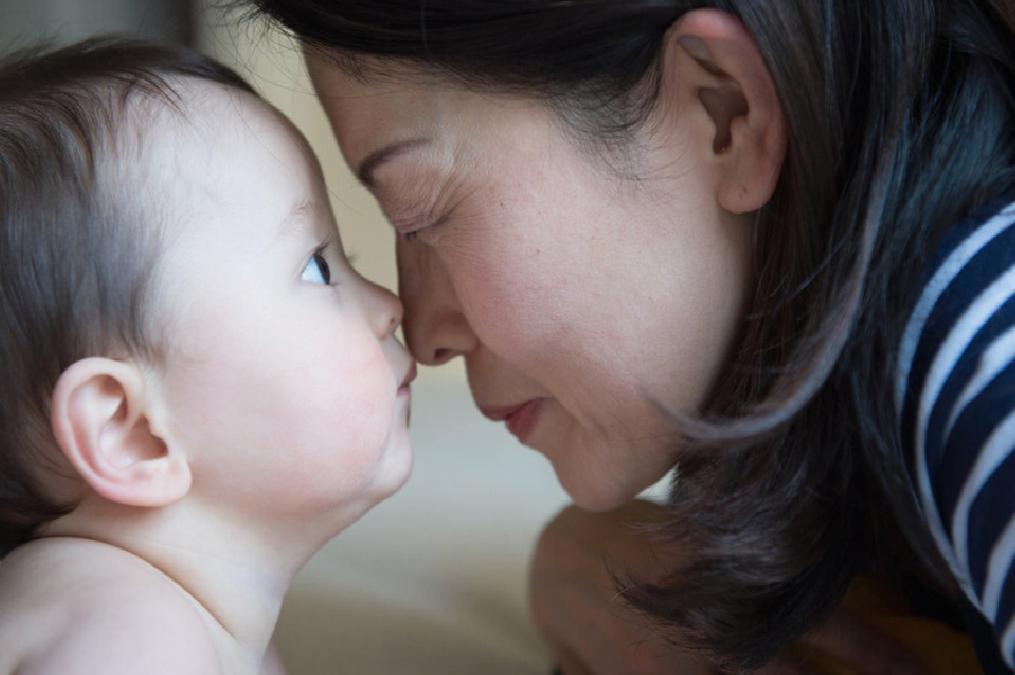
[[410, 375]]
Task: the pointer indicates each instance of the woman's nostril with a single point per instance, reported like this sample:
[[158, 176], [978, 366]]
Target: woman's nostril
[[442, 355]]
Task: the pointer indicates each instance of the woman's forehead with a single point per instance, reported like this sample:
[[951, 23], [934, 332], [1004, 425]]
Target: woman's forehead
[[369, 113], [389, 105]]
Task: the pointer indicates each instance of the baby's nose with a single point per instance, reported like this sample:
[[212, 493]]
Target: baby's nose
[[384, 309]]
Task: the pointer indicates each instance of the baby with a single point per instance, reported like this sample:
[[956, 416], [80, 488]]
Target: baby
[[197, 390]]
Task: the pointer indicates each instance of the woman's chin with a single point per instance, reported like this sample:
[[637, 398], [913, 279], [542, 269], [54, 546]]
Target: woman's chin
[[600, 489], [593, 493]]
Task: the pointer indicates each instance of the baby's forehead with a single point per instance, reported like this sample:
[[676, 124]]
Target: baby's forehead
[[224, 172], [201, 117], [234, 113], [214, 145]]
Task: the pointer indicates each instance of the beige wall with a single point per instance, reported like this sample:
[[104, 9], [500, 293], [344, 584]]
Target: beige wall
[[24, 21]]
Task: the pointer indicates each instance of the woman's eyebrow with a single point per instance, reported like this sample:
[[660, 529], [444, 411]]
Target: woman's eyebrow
[[369, 165]]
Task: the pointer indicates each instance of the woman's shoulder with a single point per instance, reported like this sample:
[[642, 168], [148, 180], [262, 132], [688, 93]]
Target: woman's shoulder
[[962, 311], [967, 258], [962, 316], [955, 394]]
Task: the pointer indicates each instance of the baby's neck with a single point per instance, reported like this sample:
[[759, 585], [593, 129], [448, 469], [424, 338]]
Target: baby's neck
[[236, 576]]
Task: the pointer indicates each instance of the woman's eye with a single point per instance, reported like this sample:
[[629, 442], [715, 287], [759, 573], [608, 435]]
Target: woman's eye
[[317, 270], [412, 235]]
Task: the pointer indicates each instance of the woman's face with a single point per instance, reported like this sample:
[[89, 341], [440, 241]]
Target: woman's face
[[583, 290]]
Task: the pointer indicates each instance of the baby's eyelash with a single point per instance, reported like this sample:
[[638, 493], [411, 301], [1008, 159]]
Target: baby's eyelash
[[326, 244], [322, 247]]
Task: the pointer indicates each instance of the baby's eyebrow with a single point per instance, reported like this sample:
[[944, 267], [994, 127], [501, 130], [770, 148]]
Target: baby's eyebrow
[[297, 215]]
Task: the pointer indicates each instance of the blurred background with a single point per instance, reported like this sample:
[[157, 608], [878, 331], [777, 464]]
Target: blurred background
[[433, 580]]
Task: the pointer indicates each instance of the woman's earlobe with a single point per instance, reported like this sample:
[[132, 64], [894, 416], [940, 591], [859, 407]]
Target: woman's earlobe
[[100, 422]]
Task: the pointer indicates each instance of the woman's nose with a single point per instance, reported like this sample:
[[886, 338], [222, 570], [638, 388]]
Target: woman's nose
[[436, 329]]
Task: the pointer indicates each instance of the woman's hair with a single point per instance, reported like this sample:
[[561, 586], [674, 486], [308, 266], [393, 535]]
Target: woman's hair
[[78, 234], [901, 121]]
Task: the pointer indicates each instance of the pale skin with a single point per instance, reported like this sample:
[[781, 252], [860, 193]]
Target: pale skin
[[580, 287], [276, 418]]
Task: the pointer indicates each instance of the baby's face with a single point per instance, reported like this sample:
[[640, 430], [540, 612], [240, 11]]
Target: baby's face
[[284, 382]]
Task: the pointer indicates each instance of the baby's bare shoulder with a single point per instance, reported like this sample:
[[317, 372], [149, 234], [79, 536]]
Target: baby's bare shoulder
[[71, 607]]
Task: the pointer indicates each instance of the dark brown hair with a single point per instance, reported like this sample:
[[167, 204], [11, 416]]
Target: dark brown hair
[[78, 237], [901, 121]]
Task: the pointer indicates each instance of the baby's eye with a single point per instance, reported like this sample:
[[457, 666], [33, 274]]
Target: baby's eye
[[317, 270]]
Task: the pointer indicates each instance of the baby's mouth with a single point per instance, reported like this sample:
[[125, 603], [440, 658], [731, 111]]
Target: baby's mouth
[[410, 375]]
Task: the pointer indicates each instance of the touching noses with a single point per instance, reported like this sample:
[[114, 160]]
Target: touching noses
[[436, 329]]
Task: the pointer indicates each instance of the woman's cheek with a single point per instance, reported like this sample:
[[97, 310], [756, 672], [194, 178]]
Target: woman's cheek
[[504, 276], [508, 310]]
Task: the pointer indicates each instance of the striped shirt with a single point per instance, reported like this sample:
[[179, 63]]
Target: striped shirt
[[955, 391]]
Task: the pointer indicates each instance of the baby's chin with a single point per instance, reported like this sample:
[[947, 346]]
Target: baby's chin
[[395, 466], [392, 473]]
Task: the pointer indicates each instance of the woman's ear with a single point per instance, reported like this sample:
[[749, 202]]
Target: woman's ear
[[712, 66], [100, 420]]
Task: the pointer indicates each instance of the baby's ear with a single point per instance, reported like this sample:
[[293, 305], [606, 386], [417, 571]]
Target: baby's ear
[[101, 422]]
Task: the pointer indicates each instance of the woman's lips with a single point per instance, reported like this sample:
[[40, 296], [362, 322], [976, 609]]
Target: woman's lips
[[520, 419], [523, 420]]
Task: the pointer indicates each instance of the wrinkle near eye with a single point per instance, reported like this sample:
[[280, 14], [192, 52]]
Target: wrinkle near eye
[[417, 188], [409, 182], [403, 208]]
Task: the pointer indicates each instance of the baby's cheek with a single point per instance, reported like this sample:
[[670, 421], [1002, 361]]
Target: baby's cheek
[[353, 417]]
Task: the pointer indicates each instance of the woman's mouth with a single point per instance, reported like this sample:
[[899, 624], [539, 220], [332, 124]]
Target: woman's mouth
[[520, 419]]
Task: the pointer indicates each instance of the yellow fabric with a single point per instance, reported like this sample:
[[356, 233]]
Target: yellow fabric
[[941, 649]]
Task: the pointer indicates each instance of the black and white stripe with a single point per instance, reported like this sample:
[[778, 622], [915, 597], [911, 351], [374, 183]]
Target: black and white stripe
[[956, 396]]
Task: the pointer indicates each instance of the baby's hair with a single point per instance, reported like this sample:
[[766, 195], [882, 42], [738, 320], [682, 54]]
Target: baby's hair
[[78, 234]]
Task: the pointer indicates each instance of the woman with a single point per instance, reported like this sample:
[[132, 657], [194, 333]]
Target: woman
[[692, 234]]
